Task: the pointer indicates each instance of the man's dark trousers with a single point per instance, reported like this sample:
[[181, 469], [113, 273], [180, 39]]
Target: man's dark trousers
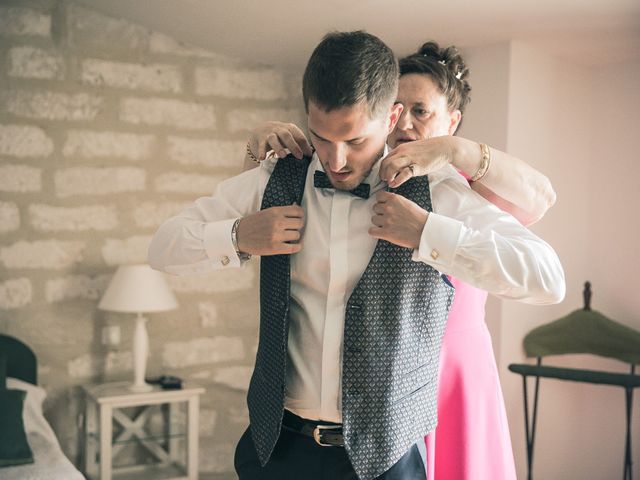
[[298, 457]]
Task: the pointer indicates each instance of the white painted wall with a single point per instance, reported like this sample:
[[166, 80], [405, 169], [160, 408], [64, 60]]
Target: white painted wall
[[486, 120], [614, 226], [565, 120], [615, 168]]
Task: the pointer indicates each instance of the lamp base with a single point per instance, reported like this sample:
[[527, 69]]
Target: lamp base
[[145, 387], [140, 353]]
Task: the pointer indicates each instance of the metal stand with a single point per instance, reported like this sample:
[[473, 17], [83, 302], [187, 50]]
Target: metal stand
[[628, 382]]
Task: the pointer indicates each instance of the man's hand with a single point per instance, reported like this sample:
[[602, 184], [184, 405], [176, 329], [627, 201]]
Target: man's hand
[[397, 220], [269, 231], [279, 137], [426, 156]]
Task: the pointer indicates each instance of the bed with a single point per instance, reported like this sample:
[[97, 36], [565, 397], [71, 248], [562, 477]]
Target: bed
[[49, 462]]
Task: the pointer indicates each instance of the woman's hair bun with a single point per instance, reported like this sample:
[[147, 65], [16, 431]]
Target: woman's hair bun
[[449, 57]]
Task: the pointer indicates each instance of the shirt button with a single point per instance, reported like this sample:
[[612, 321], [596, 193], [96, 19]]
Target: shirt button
[[435, 254], [225, 260]]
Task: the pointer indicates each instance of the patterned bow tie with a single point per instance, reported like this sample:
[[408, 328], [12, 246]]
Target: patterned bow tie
[[320, 180]]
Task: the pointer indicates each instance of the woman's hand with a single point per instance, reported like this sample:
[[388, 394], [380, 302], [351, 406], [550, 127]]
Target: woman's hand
[[417, 158], [281, 138], [509, 183]]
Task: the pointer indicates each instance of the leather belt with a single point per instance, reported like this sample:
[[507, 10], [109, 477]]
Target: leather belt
[[325, 434]]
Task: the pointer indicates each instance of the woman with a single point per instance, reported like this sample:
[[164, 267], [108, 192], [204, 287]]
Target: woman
[[472, 440]]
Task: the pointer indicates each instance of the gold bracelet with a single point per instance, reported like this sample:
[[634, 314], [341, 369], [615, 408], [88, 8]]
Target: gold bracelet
[[251, 155], [485, 163]]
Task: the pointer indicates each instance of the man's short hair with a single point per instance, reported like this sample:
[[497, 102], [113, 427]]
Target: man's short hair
[[347, 68]]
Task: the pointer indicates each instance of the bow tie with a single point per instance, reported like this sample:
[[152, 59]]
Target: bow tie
[[320, 180]]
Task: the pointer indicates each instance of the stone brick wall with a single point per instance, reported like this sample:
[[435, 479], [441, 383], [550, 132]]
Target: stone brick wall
[[106, 129]]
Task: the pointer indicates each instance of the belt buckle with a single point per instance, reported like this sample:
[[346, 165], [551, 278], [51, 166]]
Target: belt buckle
[[317, 434]]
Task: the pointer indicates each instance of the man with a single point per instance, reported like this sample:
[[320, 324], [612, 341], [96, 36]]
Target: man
[[353, 303]]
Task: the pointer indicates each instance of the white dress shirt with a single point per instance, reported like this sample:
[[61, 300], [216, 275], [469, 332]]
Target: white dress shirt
[[464, 236]]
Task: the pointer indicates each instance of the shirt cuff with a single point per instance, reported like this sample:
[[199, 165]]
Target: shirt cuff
[[439, 241], [218, 245]]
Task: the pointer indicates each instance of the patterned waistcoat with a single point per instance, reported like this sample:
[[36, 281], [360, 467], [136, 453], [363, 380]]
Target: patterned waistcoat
[[394, 322]]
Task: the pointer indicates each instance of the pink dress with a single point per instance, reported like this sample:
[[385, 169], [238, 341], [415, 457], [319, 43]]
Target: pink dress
[[471, 441]]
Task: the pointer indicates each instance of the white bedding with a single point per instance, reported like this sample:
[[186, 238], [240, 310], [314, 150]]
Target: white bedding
[[49, 461]]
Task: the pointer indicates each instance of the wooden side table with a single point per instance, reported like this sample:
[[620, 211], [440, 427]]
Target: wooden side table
[[109, 430]]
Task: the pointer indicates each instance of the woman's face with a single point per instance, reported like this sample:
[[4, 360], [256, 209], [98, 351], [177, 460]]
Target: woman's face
[[425, 112]]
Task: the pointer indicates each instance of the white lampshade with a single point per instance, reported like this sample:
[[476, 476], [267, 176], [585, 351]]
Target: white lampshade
[[138, 289]]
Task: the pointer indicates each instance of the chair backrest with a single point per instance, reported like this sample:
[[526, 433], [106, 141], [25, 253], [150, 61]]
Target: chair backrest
[[585, 331], [21, 361]]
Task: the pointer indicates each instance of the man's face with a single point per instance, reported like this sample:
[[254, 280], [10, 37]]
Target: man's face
[[348, 142], [425, 113]]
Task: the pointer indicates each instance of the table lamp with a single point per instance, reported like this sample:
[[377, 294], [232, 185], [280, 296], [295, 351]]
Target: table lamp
[[138, 289]]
